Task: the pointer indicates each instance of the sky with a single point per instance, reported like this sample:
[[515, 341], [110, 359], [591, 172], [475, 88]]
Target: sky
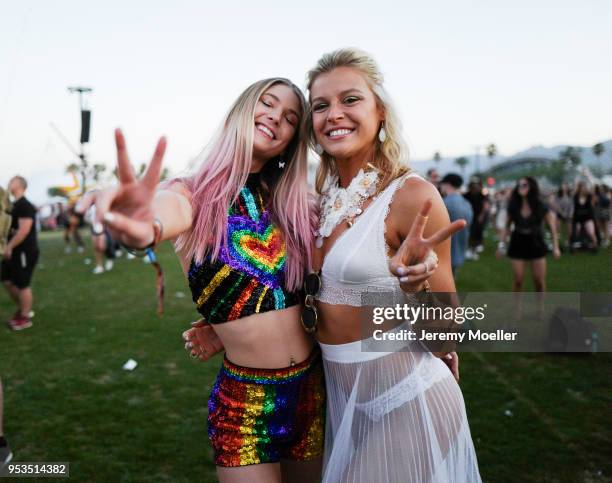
[[462, 73]]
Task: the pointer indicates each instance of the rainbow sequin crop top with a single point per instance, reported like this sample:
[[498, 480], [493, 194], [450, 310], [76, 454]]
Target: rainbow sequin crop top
[[248, 276]]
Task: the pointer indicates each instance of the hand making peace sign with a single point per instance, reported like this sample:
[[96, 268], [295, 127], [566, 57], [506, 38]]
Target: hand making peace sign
[[416, 260], [127, 209]]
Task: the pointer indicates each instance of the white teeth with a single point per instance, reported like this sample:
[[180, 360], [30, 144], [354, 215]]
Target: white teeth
[[265, 130], [340, 132]]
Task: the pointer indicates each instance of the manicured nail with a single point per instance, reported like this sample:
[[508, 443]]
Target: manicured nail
[[109, 217], [404, 279], [401, 271], [98, 228]]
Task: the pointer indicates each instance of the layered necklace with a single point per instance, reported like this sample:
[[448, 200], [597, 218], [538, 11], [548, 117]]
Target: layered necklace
[[339, 204]]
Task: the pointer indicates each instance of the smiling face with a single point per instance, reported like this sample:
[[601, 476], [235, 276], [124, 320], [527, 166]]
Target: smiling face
[[345, 116], [277, 116]]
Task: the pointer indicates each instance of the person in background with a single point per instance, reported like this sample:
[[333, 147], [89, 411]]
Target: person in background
[[458, 208], [5, 218], [20, 254], [480, 207], [526, 216], [565, 205], [434, 177], [73, 220], [602, 213], [5, 451], [583, 221]]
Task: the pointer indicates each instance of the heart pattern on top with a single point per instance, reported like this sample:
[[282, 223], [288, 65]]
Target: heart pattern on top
[[265, 251]]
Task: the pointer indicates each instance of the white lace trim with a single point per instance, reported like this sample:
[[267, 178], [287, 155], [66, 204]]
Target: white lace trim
[[426, 375]]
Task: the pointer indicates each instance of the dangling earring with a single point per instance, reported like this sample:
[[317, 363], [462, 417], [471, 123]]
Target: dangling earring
[[318, 149], [281, 162], [382, 134]]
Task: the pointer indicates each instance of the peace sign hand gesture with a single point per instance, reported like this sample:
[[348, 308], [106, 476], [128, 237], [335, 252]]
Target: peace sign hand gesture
[[416, 260], [127, 209]]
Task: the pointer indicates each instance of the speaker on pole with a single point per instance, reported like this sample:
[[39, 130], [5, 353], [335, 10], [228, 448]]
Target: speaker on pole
[[85, 122]]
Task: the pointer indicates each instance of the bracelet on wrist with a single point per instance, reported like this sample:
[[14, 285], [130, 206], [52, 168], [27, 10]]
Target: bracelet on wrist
[[158, 232]]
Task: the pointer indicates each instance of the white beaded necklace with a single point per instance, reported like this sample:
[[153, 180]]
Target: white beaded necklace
[[338, 204]]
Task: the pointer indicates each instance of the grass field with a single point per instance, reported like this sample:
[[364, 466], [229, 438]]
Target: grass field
[[533, 417]]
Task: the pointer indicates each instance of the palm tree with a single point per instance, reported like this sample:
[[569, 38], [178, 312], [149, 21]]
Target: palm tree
[[598, 150], [462, 162], [491, 153]]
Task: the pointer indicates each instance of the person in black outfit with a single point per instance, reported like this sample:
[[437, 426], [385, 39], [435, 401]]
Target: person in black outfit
[[480, 207], [20, 255], [526, 214], [583, 221]]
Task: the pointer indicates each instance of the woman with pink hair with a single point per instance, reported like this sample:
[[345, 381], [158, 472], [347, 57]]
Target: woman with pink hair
[[242, 228]]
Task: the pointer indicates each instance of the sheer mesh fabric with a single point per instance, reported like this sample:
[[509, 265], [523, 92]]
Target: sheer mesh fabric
[[397, 418]]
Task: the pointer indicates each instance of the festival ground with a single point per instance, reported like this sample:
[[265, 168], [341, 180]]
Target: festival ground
[[534, 417]]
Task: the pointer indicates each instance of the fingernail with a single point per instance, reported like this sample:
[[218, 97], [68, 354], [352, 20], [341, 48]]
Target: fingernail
[[109, 217], [401, 270], [448, 356], [404, 279], [98, 228]]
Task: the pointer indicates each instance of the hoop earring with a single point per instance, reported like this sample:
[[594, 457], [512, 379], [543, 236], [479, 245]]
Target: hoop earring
[[382, 134], [318, 149]]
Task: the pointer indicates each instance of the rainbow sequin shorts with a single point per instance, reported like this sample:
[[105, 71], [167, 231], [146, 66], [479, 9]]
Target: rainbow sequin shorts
[[265, 415]]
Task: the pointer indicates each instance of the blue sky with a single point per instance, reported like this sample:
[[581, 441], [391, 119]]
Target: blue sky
[[463, 73]]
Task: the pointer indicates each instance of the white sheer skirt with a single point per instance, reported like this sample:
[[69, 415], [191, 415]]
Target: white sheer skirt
[[394, 417]]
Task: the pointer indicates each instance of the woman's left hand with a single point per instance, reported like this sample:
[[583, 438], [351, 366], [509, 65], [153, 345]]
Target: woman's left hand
[[416, 260], [452, 361], [556, 253]]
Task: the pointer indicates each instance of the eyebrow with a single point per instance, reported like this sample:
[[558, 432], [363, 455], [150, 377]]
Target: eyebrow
[[278, 100], [343, 93]]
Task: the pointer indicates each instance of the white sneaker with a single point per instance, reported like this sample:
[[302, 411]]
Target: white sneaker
[[68, 249], [108, 265], [98, 269], [130, 256], [118, 253], [479, 249], [80, 249]]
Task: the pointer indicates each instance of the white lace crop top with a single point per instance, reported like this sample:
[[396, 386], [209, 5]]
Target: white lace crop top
[[357, 264]]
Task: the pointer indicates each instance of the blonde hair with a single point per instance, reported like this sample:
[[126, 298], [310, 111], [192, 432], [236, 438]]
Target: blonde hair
[[391, 155]]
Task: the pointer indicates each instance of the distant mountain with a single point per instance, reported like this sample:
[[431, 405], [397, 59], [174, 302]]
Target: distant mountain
[[448, 164]]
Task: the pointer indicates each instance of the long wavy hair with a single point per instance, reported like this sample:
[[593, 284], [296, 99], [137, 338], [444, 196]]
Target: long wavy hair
[[223, 170], [391, 155], [534, 200]]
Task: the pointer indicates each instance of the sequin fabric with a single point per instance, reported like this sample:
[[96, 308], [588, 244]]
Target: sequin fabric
[[264, 415], [248, 277]]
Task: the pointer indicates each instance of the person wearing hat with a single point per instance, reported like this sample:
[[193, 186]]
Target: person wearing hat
[[458, 208]]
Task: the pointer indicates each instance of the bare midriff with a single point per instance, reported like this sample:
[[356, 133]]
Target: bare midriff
[[269, 340], [340, 324]]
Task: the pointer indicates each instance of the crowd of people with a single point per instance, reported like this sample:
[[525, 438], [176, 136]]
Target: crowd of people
[[578, 218]]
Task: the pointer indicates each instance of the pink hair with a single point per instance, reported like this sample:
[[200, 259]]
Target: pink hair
[[224, 171]]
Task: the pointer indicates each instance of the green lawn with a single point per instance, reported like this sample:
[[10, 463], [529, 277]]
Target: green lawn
[[534, 417]]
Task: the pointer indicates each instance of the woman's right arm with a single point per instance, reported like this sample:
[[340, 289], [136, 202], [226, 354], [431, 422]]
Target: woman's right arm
[[172, 207]]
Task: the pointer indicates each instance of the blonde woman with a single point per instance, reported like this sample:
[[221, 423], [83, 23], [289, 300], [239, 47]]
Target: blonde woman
[[242, 229], [391, 416]]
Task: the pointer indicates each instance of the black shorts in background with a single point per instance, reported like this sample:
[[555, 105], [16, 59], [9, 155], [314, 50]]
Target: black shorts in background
[[18, 270]]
